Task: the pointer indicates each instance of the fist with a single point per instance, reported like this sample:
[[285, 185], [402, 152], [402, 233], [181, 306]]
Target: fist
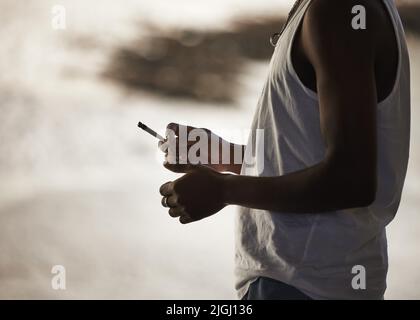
[[196, 195]]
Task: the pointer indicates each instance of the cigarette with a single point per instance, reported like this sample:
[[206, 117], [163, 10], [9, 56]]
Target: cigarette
[[150, 131]]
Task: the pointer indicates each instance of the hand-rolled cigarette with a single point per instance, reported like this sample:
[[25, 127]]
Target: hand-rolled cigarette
[[150, 131]]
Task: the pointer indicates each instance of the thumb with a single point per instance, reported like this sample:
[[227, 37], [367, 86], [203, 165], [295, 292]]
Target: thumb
[[180, 168]]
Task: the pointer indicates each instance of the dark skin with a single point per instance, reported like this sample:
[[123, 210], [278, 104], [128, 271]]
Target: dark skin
[[351, 71], [215, 164]]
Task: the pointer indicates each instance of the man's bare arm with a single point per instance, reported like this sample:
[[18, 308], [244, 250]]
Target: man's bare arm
[[343, 60]]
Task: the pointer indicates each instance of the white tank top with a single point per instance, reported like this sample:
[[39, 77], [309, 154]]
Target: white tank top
[[316, 253]]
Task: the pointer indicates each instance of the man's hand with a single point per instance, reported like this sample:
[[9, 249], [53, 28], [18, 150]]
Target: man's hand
[[196, 195], [181, 139]]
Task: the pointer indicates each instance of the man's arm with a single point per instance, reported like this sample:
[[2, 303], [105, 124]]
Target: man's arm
[[233, 166], [343, 60]]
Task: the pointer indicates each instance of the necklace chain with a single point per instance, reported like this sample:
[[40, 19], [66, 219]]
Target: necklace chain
[[276, 36]]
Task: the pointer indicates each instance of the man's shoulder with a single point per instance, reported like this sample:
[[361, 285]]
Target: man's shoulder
[[333, 6], [332, 21], [338, 15]]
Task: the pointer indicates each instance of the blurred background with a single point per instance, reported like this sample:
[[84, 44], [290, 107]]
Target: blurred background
[[79, 182]]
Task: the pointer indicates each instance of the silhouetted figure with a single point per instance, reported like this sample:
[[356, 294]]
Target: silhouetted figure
[[335, 111]]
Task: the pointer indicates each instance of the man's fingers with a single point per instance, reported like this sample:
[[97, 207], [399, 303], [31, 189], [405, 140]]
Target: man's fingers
[[172, 127], [163, 146], [167, 189], [164, 202], [184, 219], [172, 201], [179, 212], [176, 128], [173, 150], [179, 168], [176, 212]]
